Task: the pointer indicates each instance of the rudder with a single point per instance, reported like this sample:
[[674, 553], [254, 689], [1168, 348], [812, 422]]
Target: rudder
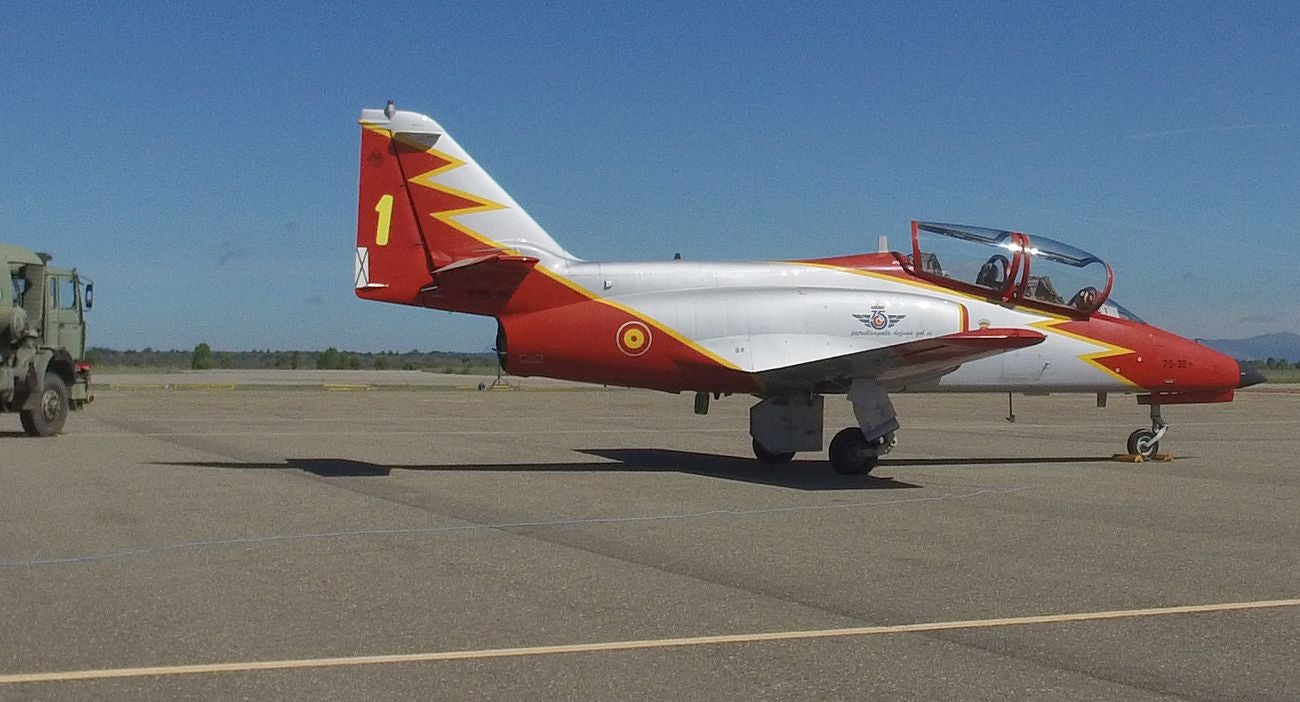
[[392, 260], [425, 204]]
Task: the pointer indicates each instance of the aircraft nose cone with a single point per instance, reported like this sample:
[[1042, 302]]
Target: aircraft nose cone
[[1249, 376]]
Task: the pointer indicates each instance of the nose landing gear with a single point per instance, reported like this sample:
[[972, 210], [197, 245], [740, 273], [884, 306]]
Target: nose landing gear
[[1146, 442]]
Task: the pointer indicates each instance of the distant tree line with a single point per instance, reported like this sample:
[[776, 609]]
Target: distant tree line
[[1274, 364], [203, 357]]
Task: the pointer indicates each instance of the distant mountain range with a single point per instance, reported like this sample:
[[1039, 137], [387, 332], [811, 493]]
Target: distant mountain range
[[1284, 345]]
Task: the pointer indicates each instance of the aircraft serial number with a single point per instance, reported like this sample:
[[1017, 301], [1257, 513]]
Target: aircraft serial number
[[1177, 363]]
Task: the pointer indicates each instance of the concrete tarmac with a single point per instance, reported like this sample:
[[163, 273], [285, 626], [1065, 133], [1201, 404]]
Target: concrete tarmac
[[213, 526]]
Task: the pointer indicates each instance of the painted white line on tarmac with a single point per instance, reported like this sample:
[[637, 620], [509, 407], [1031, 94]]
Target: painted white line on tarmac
[[724, 639], [453, 528], [477, 432], [369, 419], [912, 425], [629, 430]]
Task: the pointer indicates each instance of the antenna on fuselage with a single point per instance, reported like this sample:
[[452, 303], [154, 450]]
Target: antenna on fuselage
[[883, 245]]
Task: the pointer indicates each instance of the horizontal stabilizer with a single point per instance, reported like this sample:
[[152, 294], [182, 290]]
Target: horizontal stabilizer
[[493, 262], [479, 285], [912, 359]]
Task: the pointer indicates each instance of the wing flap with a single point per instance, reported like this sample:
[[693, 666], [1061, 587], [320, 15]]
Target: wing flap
[[909, 359]]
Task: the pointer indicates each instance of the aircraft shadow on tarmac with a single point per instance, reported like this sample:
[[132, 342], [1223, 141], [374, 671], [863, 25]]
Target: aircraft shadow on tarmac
[[798, 475]]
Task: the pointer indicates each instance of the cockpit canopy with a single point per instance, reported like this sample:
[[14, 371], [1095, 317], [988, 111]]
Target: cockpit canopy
[[1010, 266]]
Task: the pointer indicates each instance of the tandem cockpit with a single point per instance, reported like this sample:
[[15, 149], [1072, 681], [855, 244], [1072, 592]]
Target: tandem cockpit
[[1013, 267]]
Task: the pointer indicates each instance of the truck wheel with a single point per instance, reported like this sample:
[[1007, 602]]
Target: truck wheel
[[51, 412]]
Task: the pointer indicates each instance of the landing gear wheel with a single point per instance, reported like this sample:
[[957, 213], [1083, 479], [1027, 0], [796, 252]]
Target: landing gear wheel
[[51, 411], [1142, 443], [765, 456], [851, 453]]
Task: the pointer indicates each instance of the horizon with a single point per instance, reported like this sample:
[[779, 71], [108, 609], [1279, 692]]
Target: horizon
[[490, 352], [204, 171]]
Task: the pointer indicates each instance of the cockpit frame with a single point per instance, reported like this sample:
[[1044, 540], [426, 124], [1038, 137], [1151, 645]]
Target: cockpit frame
[[1017, 269]]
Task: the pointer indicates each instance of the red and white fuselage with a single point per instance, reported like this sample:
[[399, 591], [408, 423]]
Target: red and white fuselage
[[434, 230]]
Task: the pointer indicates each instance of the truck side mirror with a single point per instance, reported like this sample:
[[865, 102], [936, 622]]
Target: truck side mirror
[[90, 295]]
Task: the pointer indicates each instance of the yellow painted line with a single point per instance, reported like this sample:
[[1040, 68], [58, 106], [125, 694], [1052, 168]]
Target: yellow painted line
[[344, 387], [171, 386], [481, 654], [529, 388]]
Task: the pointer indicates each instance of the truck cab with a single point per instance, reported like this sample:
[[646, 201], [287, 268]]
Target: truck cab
[[42, 340]]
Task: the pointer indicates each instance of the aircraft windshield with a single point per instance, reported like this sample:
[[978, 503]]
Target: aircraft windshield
[[1115, 309], [1012, 266]]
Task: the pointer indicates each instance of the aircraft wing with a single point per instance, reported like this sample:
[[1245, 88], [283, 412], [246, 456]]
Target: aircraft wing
[[904, 361]]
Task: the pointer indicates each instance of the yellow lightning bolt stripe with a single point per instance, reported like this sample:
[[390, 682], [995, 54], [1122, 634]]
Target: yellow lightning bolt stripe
[[643, 317], [426, 180], [916, 284], [484, 205], [1110, 350], [889, 278], [1049, 325], [447, 217]]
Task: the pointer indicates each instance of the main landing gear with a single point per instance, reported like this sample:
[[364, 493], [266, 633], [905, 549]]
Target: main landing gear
[[782, 425], [1146, 442], [855, 450], [771, 457], [851, 453]]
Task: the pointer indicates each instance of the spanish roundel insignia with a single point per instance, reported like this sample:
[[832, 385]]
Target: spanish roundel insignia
[[633, 338]]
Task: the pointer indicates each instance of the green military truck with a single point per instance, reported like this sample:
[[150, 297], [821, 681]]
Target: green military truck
[[42, 340]]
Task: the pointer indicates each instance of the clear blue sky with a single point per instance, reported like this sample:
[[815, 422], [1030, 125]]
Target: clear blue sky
[[198, 161]]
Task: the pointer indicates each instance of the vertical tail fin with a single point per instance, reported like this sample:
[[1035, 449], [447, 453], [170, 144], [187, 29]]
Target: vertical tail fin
[[425, 204]]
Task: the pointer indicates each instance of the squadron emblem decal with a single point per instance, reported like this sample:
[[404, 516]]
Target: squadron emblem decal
[[633, 338], [878, 319]]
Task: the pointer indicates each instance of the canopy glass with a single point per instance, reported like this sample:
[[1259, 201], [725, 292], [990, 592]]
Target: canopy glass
[[1011, 266]]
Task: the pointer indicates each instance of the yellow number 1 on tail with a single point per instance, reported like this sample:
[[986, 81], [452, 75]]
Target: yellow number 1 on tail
[[385, 210]]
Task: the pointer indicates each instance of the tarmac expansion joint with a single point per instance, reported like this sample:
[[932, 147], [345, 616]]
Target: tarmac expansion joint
[[1138, 458]]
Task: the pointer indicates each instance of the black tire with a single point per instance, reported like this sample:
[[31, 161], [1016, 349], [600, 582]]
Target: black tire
[[51, 411], [1140, 443], [850, 453], [765, 456]]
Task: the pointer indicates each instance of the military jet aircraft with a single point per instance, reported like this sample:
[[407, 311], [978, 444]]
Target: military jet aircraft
[[958, 309]]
